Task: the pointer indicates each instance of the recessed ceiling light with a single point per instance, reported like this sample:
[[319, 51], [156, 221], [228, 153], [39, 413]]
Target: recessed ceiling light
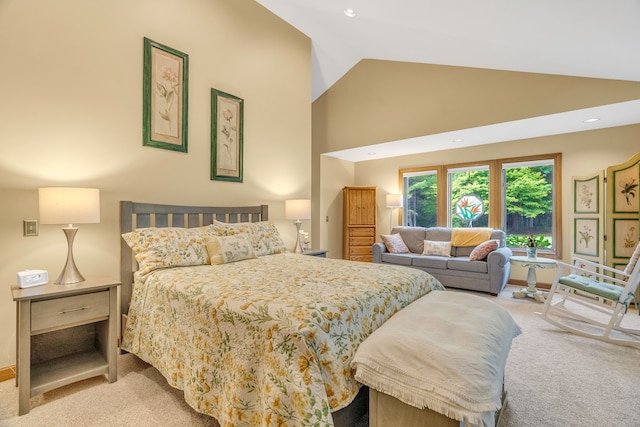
[[350, 13], [595, 119], [371, 154], [458, 140]]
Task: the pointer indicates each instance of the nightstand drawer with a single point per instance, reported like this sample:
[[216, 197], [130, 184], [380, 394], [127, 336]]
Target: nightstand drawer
[[51, 314]]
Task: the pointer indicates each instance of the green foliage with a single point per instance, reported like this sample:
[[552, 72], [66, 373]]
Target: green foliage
[[471, 182], [422, 201], [528, 192], [531, 241], [527, 197]]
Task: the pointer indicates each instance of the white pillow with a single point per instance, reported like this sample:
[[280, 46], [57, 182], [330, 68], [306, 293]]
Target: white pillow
[[224, 249], [432, 247]]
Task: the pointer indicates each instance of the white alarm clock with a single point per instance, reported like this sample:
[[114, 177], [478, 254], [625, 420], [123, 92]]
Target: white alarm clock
[[28, 278]]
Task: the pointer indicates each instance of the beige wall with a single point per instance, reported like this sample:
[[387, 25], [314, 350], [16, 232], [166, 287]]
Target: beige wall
[[583, 153], [382, 101], [71, 85]]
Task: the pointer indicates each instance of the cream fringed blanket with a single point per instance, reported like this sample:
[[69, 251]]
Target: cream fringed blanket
[[446, 352], [470, 236]]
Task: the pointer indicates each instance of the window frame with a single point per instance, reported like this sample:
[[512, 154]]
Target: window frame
[[496, 193], [448, 170]]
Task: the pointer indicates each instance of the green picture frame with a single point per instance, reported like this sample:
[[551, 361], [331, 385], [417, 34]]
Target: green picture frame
[[625, 195], [625, 236], [227, 136], [586, 239], [586, 195], [165, 97]]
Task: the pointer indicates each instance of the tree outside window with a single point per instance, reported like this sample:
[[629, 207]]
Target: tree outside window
[[528, 200]]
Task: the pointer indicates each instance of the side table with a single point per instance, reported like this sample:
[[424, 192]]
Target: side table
[[65, 333], [532, 263]]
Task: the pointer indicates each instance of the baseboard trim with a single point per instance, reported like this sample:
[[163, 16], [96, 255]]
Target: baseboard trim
[[7, 373], [523, 283]]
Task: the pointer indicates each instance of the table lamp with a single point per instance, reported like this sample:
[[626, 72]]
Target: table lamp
[[67, 205], [297, 210]]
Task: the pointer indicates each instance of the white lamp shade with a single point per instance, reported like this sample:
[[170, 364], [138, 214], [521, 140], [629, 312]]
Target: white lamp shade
[[297, 209], [394, 200], [67, 205]]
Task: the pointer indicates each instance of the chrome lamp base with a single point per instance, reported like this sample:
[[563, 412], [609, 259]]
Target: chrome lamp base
[[297, 249], [70, 273]]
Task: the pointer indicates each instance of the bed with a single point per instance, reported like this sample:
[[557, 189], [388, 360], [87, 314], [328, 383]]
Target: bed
[[259, 339]]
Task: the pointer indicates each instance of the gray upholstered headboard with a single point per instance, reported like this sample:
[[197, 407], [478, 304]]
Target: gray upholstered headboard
[[135, 215]]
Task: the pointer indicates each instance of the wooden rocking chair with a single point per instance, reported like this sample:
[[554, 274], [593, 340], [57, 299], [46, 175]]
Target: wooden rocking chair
[[591, 299]]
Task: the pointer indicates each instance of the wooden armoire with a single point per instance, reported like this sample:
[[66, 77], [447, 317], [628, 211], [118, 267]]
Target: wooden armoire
[[360, 218]]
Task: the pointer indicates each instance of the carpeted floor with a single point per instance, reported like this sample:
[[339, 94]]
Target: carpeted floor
[[553, 379]]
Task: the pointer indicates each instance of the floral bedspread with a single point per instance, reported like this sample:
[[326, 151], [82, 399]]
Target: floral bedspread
[[266, 341]]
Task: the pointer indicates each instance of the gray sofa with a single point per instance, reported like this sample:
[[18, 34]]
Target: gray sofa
[[457, 271]]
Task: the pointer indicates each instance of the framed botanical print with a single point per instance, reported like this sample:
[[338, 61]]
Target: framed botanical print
[[626, 195], [586, 195], [227, 116], [625, 237], [165, 97], [586, 240]]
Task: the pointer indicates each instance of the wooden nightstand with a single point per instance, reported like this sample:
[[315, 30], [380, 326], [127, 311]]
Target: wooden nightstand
[[322, 253], [65, 333]]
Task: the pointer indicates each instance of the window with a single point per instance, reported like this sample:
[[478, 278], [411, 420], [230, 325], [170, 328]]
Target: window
[[520, 196], [465, 182], [420, 194], [528, 206]]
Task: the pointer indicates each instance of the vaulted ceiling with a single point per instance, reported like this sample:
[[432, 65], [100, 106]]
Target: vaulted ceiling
[[586, 38]]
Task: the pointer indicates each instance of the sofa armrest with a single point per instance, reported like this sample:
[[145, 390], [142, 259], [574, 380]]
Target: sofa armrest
[[499, 257], [499, 268], [378, 249]]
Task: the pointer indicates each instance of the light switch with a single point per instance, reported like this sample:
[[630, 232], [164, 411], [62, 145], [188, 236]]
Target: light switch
[[30, 227]]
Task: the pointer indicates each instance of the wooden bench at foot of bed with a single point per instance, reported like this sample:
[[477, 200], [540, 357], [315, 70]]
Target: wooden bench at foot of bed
[[385, 410], [439, 360]]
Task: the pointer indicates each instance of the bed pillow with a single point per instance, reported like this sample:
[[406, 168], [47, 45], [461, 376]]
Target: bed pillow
[[264, 235], [480, 252], [156, 248], [224, 249], [394, 243], [432, 247]]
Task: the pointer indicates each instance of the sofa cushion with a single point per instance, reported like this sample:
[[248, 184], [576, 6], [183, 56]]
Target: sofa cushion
[[500, 236], [464, 264], [413, 237], [394, 243], [430, 262], [438, 233], [399, 259], [432, 247], [462, 250]]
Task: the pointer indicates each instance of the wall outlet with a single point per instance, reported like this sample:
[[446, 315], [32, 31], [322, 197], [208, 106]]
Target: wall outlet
[[30, 227]]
